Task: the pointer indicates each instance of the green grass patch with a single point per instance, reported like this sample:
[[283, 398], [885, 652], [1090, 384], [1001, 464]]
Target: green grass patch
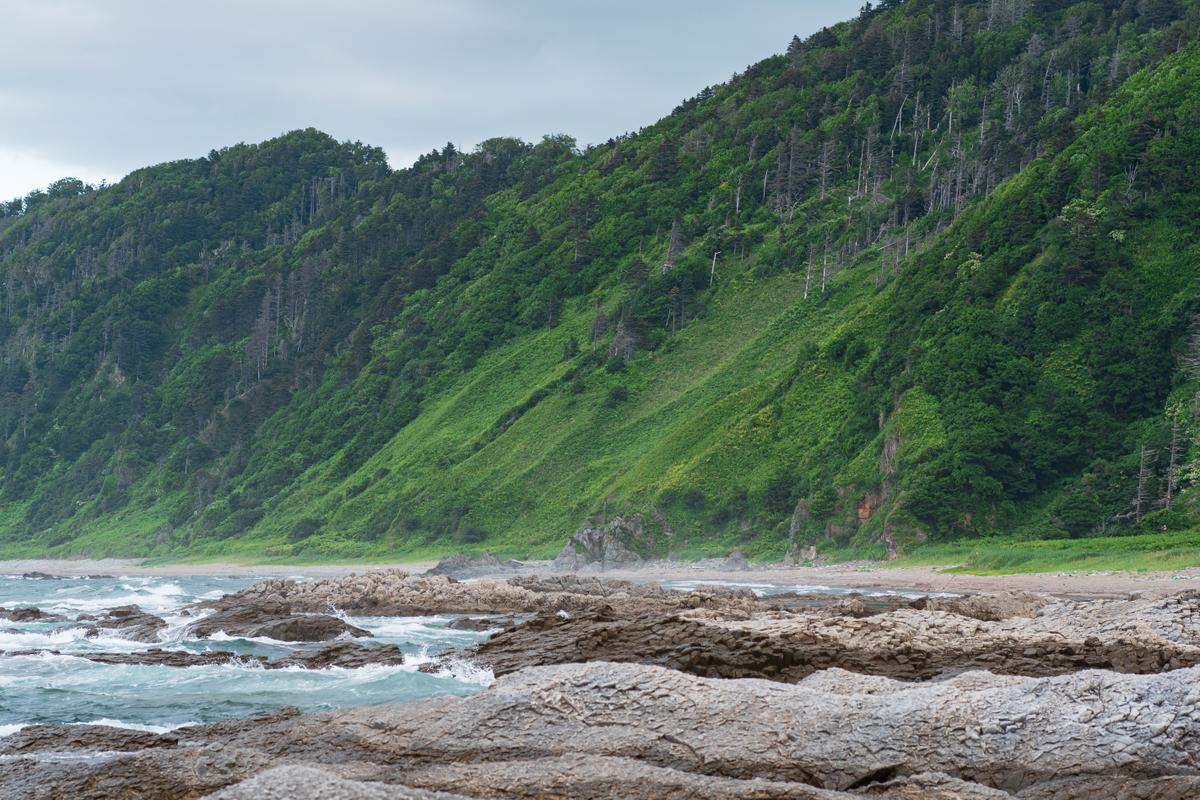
[[1153, 552]]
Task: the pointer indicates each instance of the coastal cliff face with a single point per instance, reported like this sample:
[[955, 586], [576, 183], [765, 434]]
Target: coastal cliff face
[[716, 695], [929, 274]]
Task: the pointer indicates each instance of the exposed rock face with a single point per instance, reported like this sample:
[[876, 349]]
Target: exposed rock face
[[29, 614], [461, 566], [348, 655], [481, 623], [273, 620], [989, 607], [69, 738], [1142, 636], [397, 593], [129, 622], [736, 561], [307, 783], [607, 547], [633, 731]]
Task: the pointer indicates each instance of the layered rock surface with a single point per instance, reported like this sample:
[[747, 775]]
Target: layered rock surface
[[1142, 636], [347, 655], [398, 593], [634, 731], [273, 620]]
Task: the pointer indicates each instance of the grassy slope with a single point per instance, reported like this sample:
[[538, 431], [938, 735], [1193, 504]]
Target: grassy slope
[[525, 451]]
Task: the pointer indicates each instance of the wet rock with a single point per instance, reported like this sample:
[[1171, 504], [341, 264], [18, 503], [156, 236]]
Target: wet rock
[[29, 614], [347, 655], [481, 623], [71, 738], [129, 622], [41, 576], [273, 620], [461, 566], [608, 547]]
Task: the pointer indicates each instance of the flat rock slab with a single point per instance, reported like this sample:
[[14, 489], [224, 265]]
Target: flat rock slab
[[634, 731], [1029, 635]]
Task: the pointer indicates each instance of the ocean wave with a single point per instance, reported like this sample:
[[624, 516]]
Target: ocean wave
[[458, 669], [135, 726], [9, 730]]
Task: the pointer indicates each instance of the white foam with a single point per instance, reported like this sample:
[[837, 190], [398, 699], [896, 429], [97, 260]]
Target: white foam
[[222, 636], [135, 726], [466, 672], [9, 730], [57, 637]]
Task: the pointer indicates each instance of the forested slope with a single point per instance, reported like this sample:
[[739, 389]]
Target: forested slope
[[930, 274]]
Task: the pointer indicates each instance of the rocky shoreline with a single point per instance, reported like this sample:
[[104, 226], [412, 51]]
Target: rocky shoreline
[[608, 688]]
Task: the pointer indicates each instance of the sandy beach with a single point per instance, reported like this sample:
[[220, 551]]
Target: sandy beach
[[864, 575]]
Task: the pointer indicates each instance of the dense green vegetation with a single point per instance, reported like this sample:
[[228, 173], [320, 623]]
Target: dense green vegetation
[[931, 275]]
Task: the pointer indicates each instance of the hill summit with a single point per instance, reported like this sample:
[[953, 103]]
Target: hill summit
[[930, 274]]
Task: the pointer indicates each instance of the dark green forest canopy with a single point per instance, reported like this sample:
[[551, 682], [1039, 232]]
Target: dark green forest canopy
[[932, 273]]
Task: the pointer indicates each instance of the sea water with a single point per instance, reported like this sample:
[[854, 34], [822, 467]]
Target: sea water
[[45, 687], [62, 687]]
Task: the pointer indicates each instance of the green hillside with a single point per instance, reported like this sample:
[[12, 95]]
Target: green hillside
[[932, 275]]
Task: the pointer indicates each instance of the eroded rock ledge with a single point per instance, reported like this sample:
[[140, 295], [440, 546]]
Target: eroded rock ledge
[[633, 731], [1033, 637], [398, 593]]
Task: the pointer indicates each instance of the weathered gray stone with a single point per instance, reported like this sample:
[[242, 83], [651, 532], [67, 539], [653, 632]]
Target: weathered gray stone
[[1142, 636], [607, 547], [461, 566], [273, 620]]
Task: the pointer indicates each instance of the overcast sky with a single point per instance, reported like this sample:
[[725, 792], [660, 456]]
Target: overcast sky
[[95, 88]]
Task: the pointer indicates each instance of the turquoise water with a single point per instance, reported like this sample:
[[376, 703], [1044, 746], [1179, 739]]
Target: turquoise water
[[65, 688]]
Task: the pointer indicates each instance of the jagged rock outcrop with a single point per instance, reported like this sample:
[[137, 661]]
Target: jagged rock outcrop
[[736, 562], [1142, 636], [73, 738], [608, 547], [461, 566], [29, 614], [397, 593], [347, 655], [634, 731], [273, 620], [129, 622], [481, 623]]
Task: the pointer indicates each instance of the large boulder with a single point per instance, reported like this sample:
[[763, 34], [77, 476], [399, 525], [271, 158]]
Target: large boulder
[[736, 562], [460, 566], [29, 614], [273, 620], [129, 622], [607, 547]]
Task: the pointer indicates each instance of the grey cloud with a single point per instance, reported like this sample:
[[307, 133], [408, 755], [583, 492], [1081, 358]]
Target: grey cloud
[[110, 85]]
